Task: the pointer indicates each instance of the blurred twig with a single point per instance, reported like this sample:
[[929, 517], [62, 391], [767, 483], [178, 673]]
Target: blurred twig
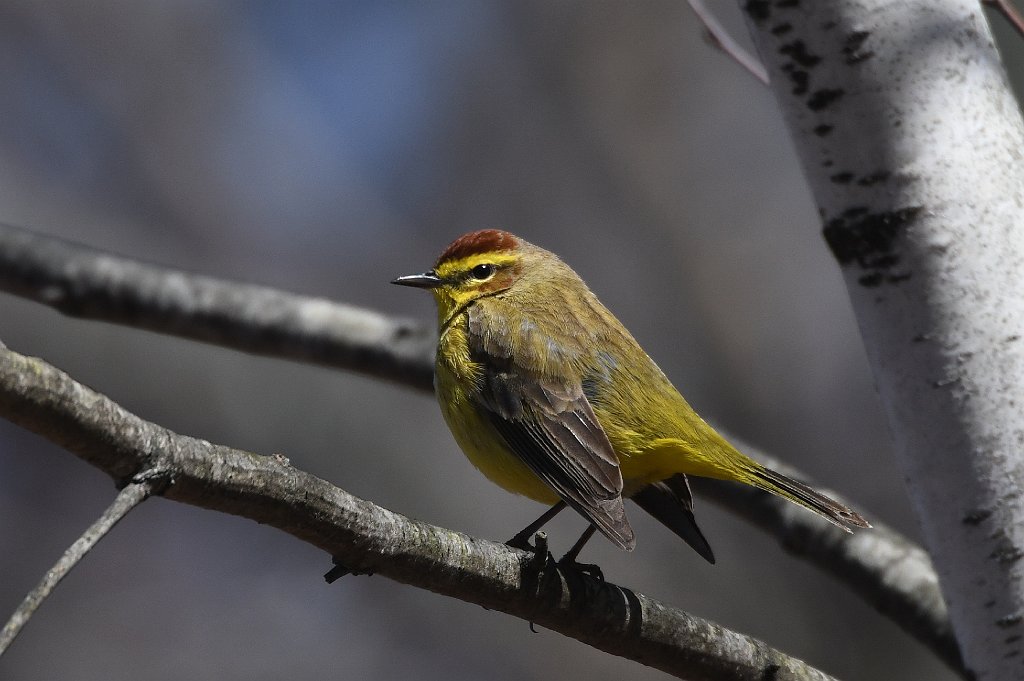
[[88, 283], [721, 39], [128, 498], [369, 538], [1009, 12]]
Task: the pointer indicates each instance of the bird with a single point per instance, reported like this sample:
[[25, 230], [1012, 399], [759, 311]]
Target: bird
[[550, 397]]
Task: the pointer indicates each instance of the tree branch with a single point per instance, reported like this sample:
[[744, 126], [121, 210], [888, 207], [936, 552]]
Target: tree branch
[[369, 538], [877, 96], [128, 498], [88, 283], [92, 284]]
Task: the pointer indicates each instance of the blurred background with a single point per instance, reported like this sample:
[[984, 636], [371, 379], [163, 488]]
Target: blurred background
[[327, 147]]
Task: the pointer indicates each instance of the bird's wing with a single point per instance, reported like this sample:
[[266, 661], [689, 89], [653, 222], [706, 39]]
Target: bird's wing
[[547, 422]]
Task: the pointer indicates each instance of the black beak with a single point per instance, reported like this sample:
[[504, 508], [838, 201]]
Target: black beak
[[425, 280]]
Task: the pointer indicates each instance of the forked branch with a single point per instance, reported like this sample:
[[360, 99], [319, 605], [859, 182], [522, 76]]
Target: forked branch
[[128, 498]]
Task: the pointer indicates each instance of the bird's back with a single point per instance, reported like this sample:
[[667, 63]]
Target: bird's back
[[654, 431]]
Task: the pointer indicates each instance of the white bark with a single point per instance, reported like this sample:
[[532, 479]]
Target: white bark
[[911, 140]]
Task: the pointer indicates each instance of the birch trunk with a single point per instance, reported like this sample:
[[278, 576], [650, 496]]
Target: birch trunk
[[911, 142]]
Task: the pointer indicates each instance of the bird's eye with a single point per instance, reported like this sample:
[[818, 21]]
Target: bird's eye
[[482, 272]]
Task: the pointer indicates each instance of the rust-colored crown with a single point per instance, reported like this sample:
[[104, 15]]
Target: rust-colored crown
[[474, 243]]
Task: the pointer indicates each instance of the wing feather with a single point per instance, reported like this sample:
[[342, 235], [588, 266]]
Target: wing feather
[[547, 421]]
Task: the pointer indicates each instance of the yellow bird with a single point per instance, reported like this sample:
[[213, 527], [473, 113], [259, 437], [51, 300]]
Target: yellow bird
[[550, 397]]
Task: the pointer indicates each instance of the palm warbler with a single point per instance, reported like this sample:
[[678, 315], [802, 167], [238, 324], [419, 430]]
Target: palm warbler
[[550, 397]]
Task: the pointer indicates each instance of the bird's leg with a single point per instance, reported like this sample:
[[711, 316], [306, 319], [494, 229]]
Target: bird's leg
[[571, 555], [522, 539], [569, 559]]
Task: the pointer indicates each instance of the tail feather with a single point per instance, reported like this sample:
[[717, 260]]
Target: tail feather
[[671, 503], [799, 493]]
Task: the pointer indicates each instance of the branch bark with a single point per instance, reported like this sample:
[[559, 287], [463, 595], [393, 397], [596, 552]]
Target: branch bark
[[886, 569], [910, 139], [371, 539]]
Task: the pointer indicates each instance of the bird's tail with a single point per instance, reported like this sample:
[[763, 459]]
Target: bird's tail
[[671, 503], [799, 493]]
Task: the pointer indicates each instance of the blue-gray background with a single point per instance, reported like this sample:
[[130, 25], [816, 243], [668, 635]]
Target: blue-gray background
[[326, 147]]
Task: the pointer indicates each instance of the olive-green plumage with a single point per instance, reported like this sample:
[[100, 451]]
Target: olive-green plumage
[[551, 397]]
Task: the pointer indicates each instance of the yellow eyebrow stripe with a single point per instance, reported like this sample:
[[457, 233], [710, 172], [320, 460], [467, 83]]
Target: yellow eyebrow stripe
[[466, 264]]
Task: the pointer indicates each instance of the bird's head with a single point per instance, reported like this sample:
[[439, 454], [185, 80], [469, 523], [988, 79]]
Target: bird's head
[[475, 265]]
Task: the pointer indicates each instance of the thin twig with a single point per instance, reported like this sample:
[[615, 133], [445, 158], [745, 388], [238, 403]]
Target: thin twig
[[128, 498], [97, 285], [369, 538], [1009, 12], [721, 39]]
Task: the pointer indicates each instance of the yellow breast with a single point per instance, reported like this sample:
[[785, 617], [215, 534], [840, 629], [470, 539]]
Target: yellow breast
[[455, 376]]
